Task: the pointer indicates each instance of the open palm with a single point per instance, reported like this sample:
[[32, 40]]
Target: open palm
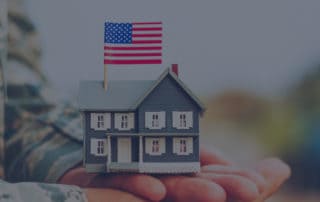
[[220, 180]]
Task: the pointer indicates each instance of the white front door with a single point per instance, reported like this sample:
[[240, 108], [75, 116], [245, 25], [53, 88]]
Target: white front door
[[124, 150]]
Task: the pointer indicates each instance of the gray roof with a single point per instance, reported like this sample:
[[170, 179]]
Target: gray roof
[[123, 95], [120, 96]]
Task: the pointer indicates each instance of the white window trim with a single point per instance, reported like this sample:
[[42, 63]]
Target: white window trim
[[189, 145], [149, 120], [94, 121], [149, 144], [117, 121], [176, 119], [94, 142]]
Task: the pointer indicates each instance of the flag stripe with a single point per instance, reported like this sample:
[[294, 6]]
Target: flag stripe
[[132, 54], [147, 23], [132, 62], [146, 28], [146, 35], [145, 41], [133, 48]]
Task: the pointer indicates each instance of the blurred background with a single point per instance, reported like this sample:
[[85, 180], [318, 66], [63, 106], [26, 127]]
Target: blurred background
[[255, 64]]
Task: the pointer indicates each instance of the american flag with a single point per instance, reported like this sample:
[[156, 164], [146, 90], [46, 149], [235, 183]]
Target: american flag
[[133, 43]]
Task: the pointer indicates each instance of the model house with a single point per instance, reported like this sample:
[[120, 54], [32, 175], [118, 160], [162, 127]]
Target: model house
[[146, 126]]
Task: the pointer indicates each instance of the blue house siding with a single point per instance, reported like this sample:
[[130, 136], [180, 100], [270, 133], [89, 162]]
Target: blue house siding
[[114, 149], [168, 96], [169, 156]]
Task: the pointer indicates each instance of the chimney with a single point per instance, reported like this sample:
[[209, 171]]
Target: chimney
[[175, 69]]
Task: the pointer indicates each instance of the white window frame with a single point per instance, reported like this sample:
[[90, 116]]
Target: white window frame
[[178, 147], [124, 121], [155, 146], [98, 147], [155, 120], [100, 121], [182, 119]]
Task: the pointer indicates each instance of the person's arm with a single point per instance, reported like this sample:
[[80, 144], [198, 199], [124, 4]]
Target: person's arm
[[27, 191]]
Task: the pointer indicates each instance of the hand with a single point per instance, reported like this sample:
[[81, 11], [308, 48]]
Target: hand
[[221, 180], [128, 185], [110, 195]]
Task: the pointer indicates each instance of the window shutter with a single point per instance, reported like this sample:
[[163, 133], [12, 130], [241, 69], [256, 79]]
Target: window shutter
[[190, 145], [176, 145], [189, 119], [130, 121], [162, 119], [105, 147], [117, 121], [148, 145], [93, 146], [175, 120], [148, 120], [162, 142], [107, 120], [93, 121]]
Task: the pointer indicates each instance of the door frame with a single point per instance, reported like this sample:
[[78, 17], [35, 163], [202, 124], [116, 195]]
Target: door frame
[[128, 145]]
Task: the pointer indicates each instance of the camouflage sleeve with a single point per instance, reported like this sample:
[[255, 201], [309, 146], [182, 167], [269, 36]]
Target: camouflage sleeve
[[43, 148], [20, 192], [42, 138]]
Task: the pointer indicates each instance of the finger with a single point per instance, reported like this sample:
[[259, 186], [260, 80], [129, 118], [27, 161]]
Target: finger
[[275, 172], [232, 170], [180, 188], [237, 187], [213, 156], [141, 185], [77, 176], [110, 195]]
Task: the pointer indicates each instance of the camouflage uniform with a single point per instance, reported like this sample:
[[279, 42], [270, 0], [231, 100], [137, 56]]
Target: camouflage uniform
[[40, 140]]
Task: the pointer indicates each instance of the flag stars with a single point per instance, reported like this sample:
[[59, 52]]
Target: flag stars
[[118, 32]]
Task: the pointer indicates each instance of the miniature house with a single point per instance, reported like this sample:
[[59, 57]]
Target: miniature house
[[146, 126]]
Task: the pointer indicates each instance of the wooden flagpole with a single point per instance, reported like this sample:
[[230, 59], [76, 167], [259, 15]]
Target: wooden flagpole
[[105, 83]]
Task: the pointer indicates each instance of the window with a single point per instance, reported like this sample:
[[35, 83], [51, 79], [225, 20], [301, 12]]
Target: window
[[100, 121], [124, 121], [98, 147], [155, 120], [155, 146], [182, 120], [183, 146]]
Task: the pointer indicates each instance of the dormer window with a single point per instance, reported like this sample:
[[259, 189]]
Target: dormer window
[[182, 120], [124, 121], [155, 120], [100, 121]]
